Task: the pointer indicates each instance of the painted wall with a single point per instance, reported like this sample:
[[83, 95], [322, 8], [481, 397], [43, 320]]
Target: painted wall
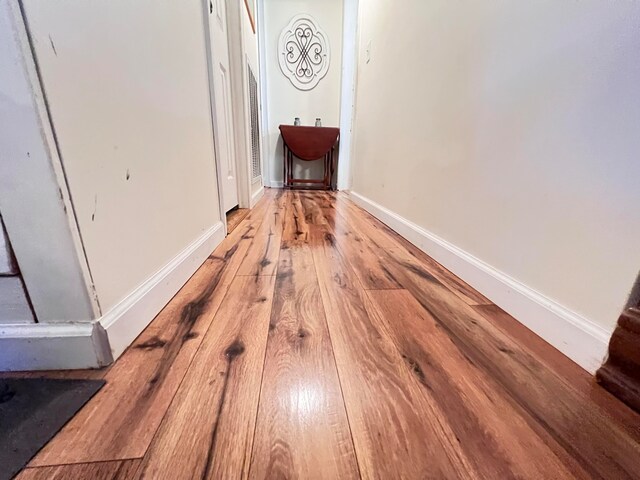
[[127, 88], [36, 208], [7, 264], [510, 130], [284, 101], [14, 304]]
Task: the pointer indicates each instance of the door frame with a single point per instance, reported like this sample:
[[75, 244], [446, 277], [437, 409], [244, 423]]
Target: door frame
[[212, 111], [236, 79], [348, 91], [239, 100], [267, 161]]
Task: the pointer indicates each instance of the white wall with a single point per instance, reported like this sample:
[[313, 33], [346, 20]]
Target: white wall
[[284, 101], [127, 88], [250, 38], [34, 200], [7, 264], [14, 304], [510, 130]]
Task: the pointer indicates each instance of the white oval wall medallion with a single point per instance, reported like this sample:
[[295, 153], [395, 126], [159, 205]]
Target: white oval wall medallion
[[303, 52]]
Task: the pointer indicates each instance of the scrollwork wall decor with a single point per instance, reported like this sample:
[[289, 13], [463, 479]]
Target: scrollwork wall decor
[[303, 51]]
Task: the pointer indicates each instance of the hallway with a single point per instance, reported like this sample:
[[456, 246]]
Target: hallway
[[317, 343]]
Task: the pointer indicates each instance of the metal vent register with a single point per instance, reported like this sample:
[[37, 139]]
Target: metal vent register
[[255, 126]]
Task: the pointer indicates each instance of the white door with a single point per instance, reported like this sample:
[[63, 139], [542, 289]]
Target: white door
[[223, 121]]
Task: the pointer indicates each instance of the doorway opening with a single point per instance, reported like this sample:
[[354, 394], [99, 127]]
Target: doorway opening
[[232, 51]]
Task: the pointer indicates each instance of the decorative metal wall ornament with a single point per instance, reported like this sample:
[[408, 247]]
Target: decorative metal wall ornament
[[303, 52]]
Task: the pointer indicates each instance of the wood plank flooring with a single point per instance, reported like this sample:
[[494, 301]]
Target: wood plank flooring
[[234, 217], [317, 343], [119, 470]]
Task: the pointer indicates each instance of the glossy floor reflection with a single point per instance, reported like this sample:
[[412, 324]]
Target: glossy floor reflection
[[317, 343]]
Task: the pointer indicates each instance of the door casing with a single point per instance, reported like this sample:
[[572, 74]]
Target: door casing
[[237, 79]]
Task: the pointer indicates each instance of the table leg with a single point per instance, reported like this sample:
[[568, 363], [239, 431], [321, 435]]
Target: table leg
[[326, 171], [330, 165], [286, 178], [330, 176], [333, 167]]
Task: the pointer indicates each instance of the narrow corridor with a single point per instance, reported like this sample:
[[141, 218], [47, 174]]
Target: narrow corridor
[[316, 343]]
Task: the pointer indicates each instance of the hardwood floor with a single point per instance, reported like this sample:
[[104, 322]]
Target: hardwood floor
[[235, 217], [212, 417], [119, 470], [317, 343], [302, 428]]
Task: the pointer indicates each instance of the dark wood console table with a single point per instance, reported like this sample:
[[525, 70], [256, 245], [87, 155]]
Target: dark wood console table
[[309, 143]]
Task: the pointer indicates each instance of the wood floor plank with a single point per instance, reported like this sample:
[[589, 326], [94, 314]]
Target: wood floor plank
[[367, 226], [493, 434], [262, 257], [534, 344], [577, 425], [208, 430], [364, 262], [295, 228], [488, 461], [302, 429], [572, 374], [396, 431], [235, 217], [121, 419], [119, 470]]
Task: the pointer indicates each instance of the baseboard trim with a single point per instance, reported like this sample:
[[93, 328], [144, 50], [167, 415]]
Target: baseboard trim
[[575, 336], [257, 196], [276, 184], [53, 346], [126, 320], [94, 344]]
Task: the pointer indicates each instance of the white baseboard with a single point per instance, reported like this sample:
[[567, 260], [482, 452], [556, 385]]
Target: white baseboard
[[257, 196], [53, 346], [125, 321], [276, 184], [93, 344], [577, 337]]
